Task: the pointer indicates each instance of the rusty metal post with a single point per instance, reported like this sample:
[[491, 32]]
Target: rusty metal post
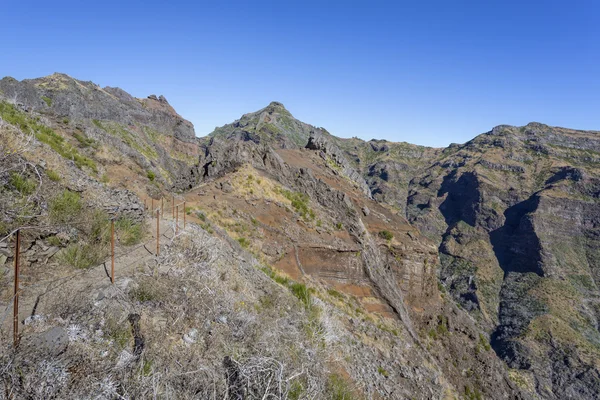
[[157, 233], [184, 213], [177, 221], [173, 205], [112, 251], [152, 208], [16, 300]]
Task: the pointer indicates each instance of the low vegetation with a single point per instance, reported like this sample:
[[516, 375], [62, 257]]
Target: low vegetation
[[22, 184], [300, 203], [128, 231], [64, 207], [44, 134], [339, 389], [83, 255], [387, 235], [47, 100], [52, 175]]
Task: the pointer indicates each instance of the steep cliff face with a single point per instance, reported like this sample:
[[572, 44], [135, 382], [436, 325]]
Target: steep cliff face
[[514, 211]]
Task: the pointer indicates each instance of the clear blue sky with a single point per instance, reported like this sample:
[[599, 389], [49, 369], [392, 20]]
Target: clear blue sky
[[427, 72]]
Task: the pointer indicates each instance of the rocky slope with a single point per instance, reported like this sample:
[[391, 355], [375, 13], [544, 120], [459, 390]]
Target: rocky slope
[[514, 212], [395, 268], [145, 133]]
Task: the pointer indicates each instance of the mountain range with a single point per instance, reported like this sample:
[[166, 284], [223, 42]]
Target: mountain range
[[345, 268]]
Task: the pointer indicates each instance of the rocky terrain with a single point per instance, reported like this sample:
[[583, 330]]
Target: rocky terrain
[[313, 266]]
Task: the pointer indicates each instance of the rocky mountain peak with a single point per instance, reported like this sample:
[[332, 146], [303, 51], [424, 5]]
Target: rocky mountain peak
[[275, 106], [273, 125]]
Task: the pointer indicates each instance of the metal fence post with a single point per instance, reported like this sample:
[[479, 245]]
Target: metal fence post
[[112, 251], [16, 300], [157, 233]]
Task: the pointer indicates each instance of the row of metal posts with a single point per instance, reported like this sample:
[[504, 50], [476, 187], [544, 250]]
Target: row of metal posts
[[112, 256]]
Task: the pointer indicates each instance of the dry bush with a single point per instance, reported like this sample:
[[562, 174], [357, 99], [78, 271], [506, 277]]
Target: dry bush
[[206, 332]]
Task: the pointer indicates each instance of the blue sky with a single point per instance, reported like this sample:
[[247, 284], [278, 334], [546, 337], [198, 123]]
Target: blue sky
[[426, 72]]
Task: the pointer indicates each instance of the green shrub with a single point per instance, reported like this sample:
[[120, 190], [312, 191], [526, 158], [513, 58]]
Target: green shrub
[[472, 394], [484, 343], [382, 371], [301, 292], [151, 175], [84, 141], [339, 226], [207, 228], [54, 241], [83, 255], [47, 100], [387, 235], [335, 293], [128, 231], [52, 175], [24, 185], [104, 178], [147, 290], [245, 243], [282, 280], [338, 388], [296, 390], [64, 207], [200, 215], [99, 227], [119, 334], [147, 368]]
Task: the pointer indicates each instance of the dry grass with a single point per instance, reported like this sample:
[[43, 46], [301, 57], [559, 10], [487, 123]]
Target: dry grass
[[207, 333]]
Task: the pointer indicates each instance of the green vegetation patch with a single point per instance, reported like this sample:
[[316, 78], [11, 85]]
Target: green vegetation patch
[[22, 184], [85, 141], [245, 243], [64, 207], [53, 175], [129, 231], [44, 134], [83, 255], [339, 389], [300, 203], [127, 137], [47, 100], [302, 293], [387, 235]]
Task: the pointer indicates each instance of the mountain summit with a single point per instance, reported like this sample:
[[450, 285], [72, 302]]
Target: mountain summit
[[273, 125]]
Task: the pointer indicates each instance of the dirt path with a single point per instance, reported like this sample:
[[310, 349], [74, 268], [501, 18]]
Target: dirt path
[[67, 284]]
